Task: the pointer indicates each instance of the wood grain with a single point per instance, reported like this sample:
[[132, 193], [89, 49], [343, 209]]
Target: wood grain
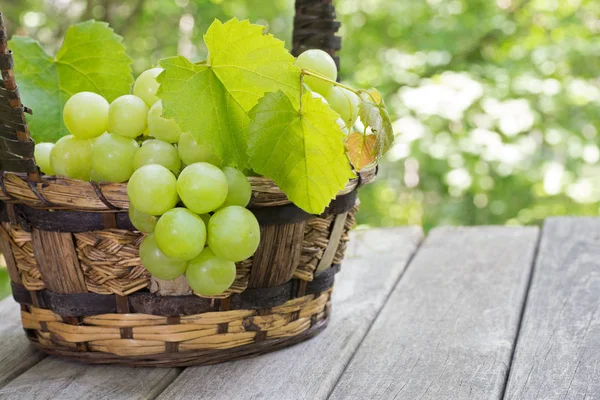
[[448, 329], [558, 351], [374, 261], [277, 255], [16, 355], [56, 379], [57, 260]]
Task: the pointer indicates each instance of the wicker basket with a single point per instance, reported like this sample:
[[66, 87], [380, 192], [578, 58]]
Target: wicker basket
[[72, 255]]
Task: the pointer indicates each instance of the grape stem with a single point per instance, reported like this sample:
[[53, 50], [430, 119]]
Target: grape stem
[[305, 72]]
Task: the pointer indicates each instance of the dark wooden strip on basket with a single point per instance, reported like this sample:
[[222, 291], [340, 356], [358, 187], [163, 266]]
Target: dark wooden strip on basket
[[81, 221], [15, 352], [3, 34], [558, 351], [8, 129], [6, 61], [87, 304], [9, 95], [13, 115], [449, 327], [376, 258], [17, 165], [12, 146]]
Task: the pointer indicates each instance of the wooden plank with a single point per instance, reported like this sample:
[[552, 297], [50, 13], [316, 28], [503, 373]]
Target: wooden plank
[[57, 379], [558, 351], [374, 261], [16, 355], [448, 329]]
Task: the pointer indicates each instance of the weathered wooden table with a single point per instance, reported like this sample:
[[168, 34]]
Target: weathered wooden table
[[467, 313]]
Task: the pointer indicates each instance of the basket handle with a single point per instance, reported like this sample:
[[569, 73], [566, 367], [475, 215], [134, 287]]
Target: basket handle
[[16, 146], [315, 27]]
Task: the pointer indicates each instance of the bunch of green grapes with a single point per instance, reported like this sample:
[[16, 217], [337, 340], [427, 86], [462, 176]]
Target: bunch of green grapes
[[206, 235], [108, 142], [195, 219]]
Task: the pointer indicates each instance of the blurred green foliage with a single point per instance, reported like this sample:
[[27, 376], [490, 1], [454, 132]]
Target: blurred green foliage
[[495, 102]]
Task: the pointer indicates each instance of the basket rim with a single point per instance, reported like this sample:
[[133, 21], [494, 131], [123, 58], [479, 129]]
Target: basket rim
[[72, 194]]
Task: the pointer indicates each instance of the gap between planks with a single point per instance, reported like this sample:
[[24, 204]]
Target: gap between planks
[[558, 352], [522, 314], [448, 328]]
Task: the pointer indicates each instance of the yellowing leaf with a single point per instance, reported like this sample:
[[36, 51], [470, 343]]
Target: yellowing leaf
[[91, 58], [362, 149], [302, 151], [373, 113], [212, 100]]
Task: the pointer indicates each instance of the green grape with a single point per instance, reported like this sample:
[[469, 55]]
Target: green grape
[[202, 187], [112, 157], [42, 157], [233, 233], [191, 152], [209, 275], [320, 62], [345, 103], [146, 86], [157, 263], [162, 128], [239, 188], [128, 116], [95, 177], [72, 157], [180, 234], [86, 115], [141, 221], [152, 189], [156, 151]]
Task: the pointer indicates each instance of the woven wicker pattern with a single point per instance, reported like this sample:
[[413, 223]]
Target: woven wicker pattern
[[150, 334], [22, 251], [73, 194], [316, 240], [111, 265]]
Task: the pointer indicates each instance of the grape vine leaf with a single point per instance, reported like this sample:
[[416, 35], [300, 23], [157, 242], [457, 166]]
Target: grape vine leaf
[[302, 151], [92, 58], [373, 113], [362, 149], [212, 100]]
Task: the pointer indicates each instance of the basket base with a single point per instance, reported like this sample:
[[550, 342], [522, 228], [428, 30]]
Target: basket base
[[187, 358]]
